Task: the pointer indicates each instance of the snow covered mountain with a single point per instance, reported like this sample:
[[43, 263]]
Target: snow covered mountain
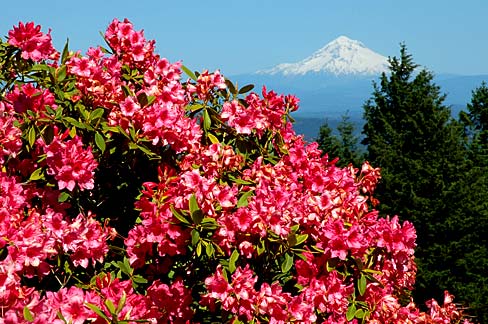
[[343, 56]]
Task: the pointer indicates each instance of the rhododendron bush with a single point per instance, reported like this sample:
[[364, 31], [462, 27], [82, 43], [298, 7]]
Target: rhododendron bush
[[134, 192]]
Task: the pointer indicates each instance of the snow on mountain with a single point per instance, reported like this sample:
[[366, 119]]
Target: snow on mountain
[[342, 56]]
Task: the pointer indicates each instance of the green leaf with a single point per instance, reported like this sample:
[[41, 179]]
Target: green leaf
[[292, 239], [40, 67], [246, 88], [198, 250], [31, 136], [142, 99], [121, 302], [147, 151], [110, 306], [231, 86], [64, 55], [362, 284], [150, 100], [195, 212], [125, 267], [194, 107], [193, 204], [359, 314], [189, 73], [261, 248], [195, 237], [301, 238], [213, 139], [350, 312], [243, 201], [50, 110], [61, 317], [329, 267], [197, 217], [371, 271], [74, 122], [287, 263], [209, 223], [97, 113], [209, 250], [232, 261], [85, 113], [61, 73], [240, 181], [133, 134], [98, 311], [63, 196], [28, 315], [72, 132], [36, 175], [295, 228], [206, 120], [139, 279], [100, 142], [127, 91], [178, 216]]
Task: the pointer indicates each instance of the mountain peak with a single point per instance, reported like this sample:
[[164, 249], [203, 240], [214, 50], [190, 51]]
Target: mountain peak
[[342, 56], [344, 40]]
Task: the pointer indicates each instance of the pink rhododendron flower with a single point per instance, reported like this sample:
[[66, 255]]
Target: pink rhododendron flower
[[86, 241], [98, 77], [207, 82], [128, 43], [170, 304], [34, 44], [260, 114], [70, 163], [27, 97]]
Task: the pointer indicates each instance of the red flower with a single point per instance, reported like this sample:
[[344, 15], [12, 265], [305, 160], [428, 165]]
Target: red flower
[[34, 44], [70, 163]]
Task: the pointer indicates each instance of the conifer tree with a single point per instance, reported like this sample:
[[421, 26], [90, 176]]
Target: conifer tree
[[344, 146], [470, 218], [477, 115], [411, 136], [328, 142]]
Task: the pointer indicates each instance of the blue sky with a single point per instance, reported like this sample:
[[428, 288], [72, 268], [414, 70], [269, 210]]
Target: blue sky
[[248, 35]]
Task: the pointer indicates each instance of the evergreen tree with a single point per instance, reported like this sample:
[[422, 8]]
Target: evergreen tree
[[470, 218], [328, 142], [476, 120], [411, 136], [344, 145]]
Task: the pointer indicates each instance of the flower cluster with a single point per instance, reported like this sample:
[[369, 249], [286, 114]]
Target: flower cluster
[[34, 44], [259, 114], [70, 164], [97, 78], [28, 98], [207, 82], [128, 44], [128, 195]]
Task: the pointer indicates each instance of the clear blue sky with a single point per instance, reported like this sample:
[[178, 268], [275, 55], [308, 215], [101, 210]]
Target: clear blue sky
[[248, 35]]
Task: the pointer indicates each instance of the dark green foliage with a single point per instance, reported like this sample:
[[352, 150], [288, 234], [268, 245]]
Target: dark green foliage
[[470, 218], [478, 113], [343, 146], [327, 141], [410, 135]]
